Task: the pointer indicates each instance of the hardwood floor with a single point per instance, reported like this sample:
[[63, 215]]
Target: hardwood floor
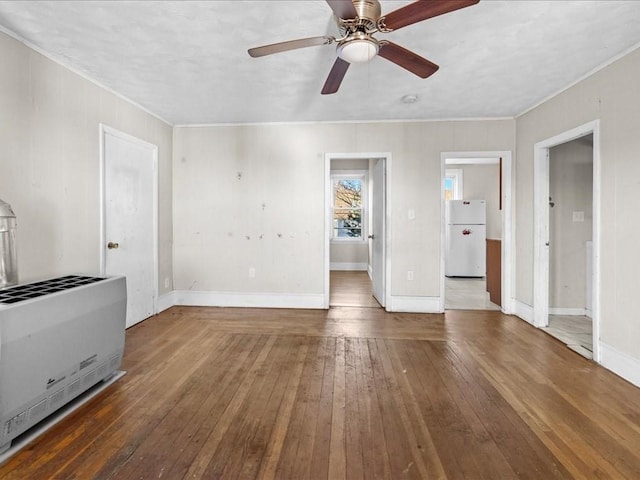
[[351, 289], [357, 393]]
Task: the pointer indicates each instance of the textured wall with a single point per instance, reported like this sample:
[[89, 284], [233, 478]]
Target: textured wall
[[482, 182], [611, 95], [280, 196], [571, 188], [50, 162]]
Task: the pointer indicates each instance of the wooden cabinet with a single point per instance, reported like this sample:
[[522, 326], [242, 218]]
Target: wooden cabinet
[[494, 270]]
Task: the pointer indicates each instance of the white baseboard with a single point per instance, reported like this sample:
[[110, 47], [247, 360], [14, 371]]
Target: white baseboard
[[414, 304], [620, 363], [522, 310], [344, 266], [568, 311], [507, 307], [254, 300], [166, 301]]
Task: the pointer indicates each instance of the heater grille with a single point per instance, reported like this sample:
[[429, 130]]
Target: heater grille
[[58, 338], [21, 293]]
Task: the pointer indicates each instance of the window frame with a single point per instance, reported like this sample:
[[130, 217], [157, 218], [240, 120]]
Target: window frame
[[457, 177], [363, 176]]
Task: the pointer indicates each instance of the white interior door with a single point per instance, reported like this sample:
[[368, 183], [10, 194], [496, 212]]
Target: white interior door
[[129, 207], [378, 273]]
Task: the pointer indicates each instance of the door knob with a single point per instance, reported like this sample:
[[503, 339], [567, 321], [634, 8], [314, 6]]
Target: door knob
[[371, 236], [112, 245]]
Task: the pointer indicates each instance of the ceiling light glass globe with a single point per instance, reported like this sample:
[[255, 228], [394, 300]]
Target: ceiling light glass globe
[[358, 50]]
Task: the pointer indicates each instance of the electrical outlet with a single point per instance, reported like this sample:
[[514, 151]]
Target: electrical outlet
[[166, 282], [252, 272], [410, 275]]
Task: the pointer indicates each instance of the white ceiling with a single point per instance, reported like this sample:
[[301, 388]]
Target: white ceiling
[[187, 61]]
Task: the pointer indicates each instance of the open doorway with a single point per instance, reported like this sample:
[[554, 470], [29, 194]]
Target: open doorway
[[356, 263], [476, 231], [566, 238]]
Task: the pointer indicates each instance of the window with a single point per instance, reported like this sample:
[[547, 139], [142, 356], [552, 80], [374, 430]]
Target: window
[[453, 184], [348, 207]]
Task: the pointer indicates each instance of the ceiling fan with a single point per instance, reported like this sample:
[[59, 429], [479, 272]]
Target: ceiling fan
[[357, 21]]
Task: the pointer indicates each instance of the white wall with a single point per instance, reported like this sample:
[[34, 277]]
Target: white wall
[[571, 190], [611, 95], [50, 158], [482, 182], [282, 168]]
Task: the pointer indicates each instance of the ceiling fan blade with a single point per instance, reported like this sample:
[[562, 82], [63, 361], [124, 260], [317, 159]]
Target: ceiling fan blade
[[407, 60], [335, 77], [290, 45], [422, 10], [343, 9]]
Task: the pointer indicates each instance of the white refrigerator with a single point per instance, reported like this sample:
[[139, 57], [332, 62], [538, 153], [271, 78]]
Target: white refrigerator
[[466, 238]]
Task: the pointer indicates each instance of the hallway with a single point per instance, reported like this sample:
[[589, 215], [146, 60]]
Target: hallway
[[351, 289]]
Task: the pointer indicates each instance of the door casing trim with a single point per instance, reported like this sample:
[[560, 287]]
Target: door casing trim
[[541, 227], [508, 182], [386, 156], [104, 130]]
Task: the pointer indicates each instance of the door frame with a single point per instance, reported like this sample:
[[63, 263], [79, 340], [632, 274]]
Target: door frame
[[484, 158], [541, 227], [386, 244], [104, 130]]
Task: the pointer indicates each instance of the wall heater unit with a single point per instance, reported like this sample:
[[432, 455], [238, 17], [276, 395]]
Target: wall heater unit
[[58, 338]]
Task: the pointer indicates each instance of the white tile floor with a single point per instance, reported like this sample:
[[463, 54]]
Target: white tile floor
[[574, 331], [462, 293]]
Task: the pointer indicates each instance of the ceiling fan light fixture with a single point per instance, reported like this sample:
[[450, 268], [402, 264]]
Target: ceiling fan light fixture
[[359, 48]]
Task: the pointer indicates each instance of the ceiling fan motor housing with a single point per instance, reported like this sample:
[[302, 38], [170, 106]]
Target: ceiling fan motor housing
[[366, 20], [369, 12]]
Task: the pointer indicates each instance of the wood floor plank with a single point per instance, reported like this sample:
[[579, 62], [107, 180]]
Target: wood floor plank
[[298, 447], [353, 436], [158, 454], [508, 442], [249, 466], [337, 446], [227, 378], [147, 411], [374, 445], [344, 394], [313, 415], [279, 434], [550, 422], [228, 414], [319, 465], [451, 434], [411, 448], [245, 439]]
